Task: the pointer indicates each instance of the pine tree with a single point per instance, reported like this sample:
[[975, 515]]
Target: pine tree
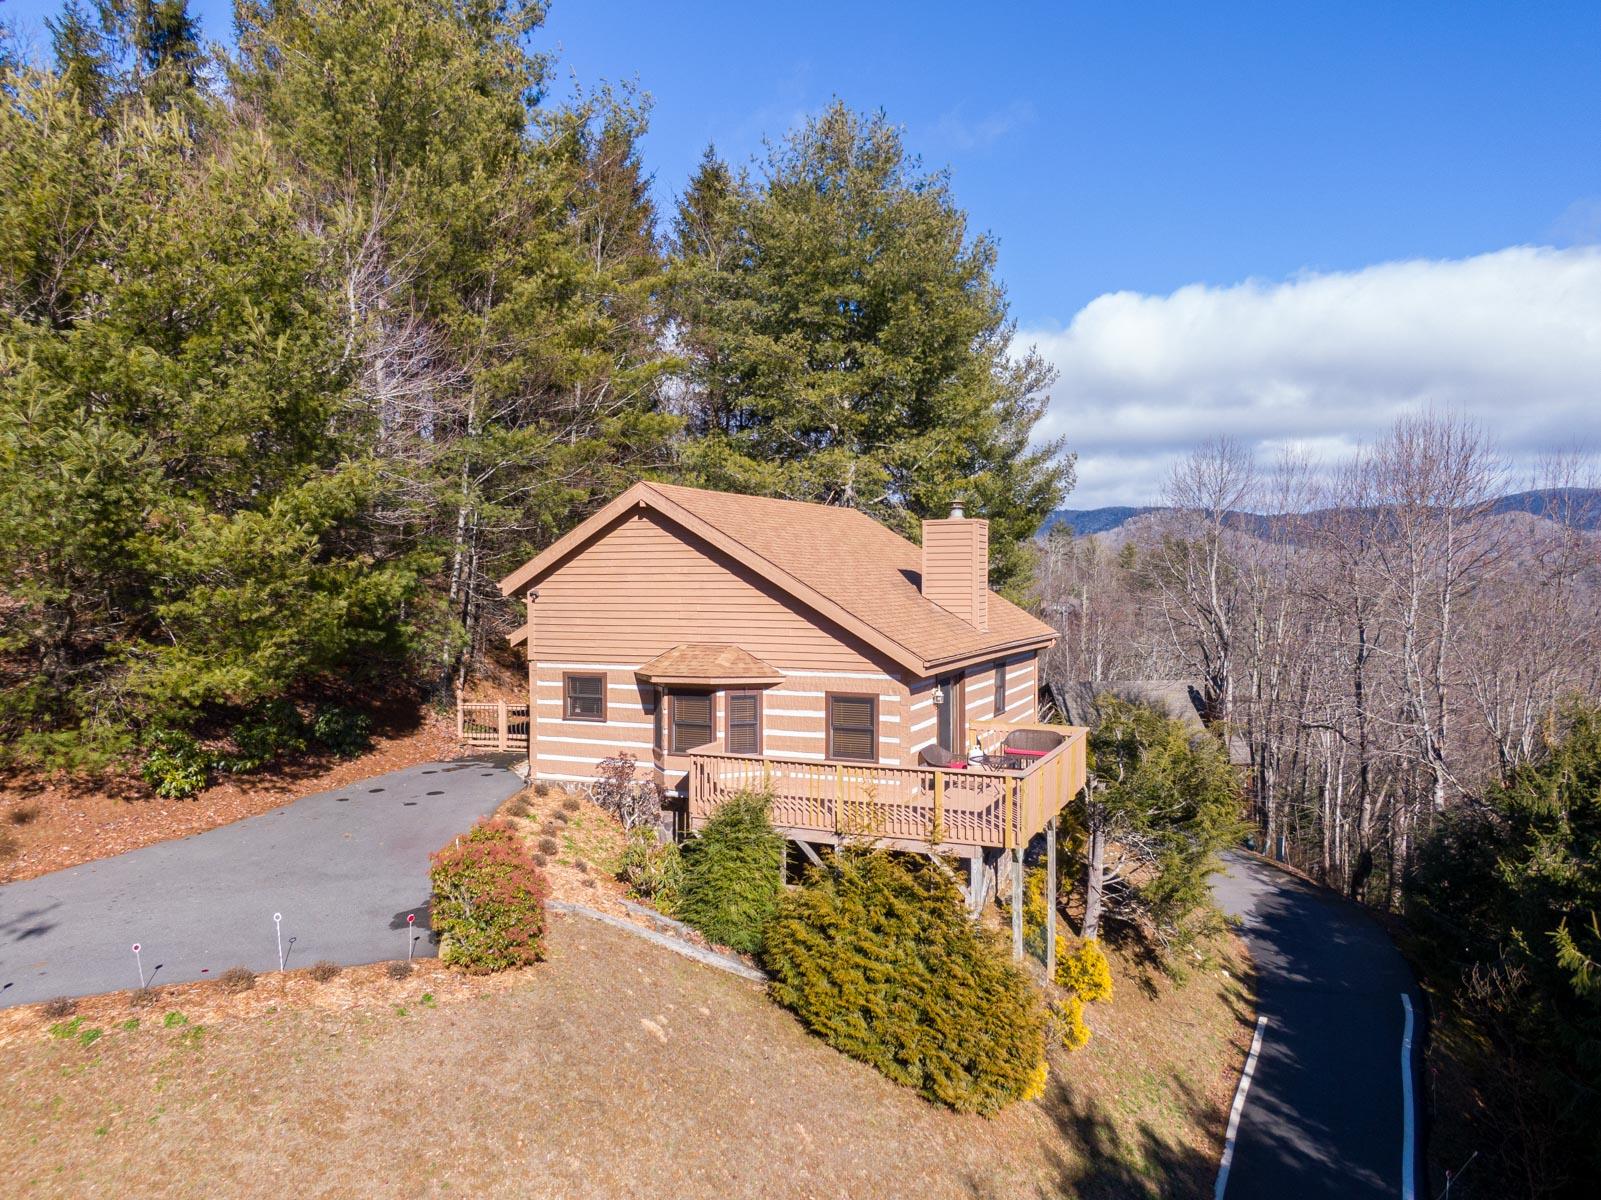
[[82, 59], [502, 264], [733, 873], [847, 341]]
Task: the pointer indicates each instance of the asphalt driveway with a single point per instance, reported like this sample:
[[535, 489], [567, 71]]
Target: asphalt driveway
[[1325, 1111], [342, 868]]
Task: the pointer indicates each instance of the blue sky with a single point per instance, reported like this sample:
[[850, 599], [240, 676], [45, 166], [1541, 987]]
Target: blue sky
[[1197, 164]]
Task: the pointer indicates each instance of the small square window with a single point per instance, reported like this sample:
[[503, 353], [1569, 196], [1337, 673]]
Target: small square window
[[853, 728], [584, 697]]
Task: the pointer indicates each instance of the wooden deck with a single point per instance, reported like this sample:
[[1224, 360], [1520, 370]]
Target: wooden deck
[[912, 808]]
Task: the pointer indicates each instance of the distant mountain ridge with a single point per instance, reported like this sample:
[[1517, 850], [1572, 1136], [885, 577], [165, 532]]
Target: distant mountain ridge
[[1584, 503]]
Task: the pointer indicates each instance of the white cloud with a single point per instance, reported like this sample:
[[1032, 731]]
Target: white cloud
[[958, 130], [1326, 361]]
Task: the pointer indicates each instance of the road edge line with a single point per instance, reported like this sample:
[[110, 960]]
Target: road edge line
[[1408, 1117], [1237, 1110]]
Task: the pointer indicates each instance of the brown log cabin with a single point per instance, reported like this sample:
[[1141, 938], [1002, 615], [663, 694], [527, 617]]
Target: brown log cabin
[[873, 687]]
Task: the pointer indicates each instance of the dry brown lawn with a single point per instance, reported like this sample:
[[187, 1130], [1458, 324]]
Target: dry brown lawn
[[615, 1069]]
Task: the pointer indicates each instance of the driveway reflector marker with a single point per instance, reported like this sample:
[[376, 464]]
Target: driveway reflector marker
[[140, 963], [1237, 1109]]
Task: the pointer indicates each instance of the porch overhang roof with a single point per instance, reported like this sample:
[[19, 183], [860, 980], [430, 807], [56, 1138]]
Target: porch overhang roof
[[705, 664]]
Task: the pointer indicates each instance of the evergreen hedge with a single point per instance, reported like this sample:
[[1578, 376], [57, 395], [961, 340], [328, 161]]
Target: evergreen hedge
[[489, 901], [733, 873], [878, 956]]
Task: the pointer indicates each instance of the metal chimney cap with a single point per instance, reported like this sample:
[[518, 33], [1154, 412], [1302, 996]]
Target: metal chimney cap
[[957, 512]]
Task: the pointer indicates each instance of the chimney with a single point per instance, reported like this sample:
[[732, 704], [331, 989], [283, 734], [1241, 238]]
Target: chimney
[[956, 566]]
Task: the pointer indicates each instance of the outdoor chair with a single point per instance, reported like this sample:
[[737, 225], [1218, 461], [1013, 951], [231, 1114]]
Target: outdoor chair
[[1031, 743], [935, 755]]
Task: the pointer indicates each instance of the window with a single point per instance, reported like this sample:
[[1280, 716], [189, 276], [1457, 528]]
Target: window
[[853, 727], [744, 723], [1000, 689], [655, 701], [584, 697], [692, 720]]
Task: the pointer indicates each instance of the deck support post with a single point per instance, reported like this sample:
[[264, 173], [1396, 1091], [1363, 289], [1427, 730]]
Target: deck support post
[[806, 849], [975, 882], [1017, 903], [1050, 899]]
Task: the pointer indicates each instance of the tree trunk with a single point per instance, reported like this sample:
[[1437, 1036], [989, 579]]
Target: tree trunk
[[1094, 879]]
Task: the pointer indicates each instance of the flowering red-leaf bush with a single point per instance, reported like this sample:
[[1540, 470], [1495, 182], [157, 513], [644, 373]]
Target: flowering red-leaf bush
[[489, 901]]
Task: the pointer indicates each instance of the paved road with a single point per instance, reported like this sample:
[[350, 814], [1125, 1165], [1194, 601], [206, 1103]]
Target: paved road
[[342, 867], [1323, 1115]]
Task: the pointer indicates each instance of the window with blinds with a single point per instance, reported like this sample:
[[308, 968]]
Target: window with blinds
[[585, 697], [1000, 689], [692, 721], [853, 728], [744, 723]]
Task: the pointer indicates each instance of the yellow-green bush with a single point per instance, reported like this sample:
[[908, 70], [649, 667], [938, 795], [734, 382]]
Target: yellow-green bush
[[1086, 973], [1067, 1022], [878, 956]]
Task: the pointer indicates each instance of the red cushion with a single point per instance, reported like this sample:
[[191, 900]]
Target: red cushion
[[1025, 753]]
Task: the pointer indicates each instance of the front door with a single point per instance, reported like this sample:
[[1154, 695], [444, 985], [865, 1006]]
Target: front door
[[952, 723]]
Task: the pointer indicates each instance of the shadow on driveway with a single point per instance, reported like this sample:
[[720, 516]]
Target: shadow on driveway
[[342, 868]]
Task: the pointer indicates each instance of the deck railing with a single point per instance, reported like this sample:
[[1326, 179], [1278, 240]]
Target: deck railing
[[918, 805], [492, 724]]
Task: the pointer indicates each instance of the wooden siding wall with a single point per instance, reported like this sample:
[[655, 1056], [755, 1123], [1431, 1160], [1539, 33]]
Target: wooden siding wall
[[644, 587], [1022, 699]]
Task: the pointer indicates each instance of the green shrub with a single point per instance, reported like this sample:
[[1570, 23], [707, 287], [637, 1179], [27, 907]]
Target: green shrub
[[265, 735], [878, 957], [489, 901], [733, 873], [1086, 973], [653, 869], [175, 765], [1067, 1023], [345, 731]]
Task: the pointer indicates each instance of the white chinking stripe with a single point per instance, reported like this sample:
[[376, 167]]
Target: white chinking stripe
[[882, 678], [588, 666], [607, 724], [578, 741], [615, 687]]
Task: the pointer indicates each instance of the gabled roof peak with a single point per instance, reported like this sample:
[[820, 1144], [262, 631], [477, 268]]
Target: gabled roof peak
[[838, 561]]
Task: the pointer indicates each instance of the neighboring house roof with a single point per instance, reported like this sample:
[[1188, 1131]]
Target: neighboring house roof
[[702, 663], [1180, 699], [838, 561]]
